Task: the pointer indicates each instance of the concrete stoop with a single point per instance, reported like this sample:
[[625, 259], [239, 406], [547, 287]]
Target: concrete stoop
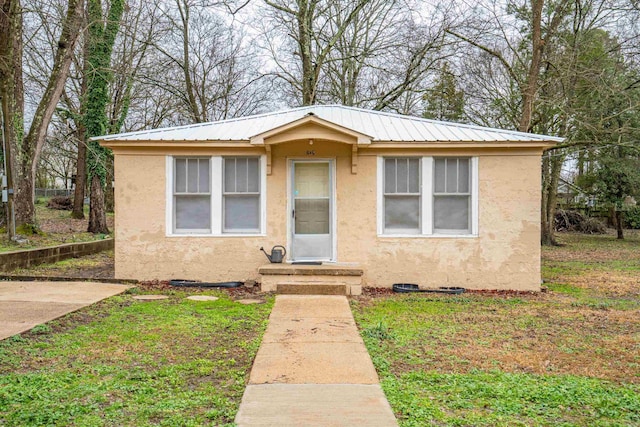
[[311, 279]]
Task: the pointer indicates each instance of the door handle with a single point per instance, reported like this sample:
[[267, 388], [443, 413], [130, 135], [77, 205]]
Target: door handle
[[293, 213]]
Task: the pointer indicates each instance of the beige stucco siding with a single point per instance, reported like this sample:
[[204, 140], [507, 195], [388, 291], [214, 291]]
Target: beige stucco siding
[[505, 254]]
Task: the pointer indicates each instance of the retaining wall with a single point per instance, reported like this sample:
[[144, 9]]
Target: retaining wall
[[30, 257]]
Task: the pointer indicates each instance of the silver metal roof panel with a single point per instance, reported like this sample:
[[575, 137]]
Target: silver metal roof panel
[[382, 126]]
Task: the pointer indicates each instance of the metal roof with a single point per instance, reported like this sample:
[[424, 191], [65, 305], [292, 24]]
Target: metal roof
[[381, 126]]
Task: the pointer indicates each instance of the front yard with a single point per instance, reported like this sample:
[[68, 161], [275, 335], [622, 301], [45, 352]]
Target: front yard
[[570, 356], [124, 362], [55, 227]]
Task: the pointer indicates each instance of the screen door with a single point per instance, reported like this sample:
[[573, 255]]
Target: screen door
[[311, 210]]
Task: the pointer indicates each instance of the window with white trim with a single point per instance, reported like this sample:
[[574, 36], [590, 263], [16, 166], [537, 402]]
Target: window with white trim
[[241, 195], [452, 195], [192, 195], [402, 195], [215, 195], [428, 196]]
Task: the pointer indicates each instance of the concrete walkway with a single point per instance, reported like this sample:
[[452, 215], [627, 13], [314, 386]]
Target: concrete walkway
[[24, 305], [312, 368]]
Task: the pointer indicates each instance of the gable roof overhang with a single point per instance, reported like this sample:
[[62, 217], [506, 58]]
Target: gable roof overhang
[[312, 128], [309, 127]]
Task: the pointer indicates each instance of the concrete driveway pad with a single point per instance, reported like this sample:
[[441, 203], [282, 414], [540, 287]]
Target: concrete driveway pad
[[24, 305]]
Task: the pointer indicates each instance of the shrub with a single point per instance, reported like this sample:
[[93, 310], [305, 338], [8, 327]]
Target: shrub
[[60, 203], [593, 226], [632, 217]]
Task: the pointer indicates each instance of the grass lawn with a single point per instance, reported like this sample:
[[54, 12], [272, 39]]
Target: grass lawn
[[124, 362], [56, 228], [567, 357]]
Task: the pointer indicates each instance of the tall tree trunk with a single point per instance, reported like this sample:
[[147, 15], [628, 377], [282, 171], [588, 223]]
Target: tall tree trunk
[[97, 216], [196, 115], [81, 175], [11, 92], [102, 35], [81, 136], [109, 196], [551, 167], [619, 224], [305, 24], [531, 87]]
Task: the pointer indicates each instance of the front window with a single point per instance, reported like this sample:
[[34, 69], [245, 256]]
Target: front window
[[428, 196], [241, 195], [452, 195], [402, 195], [192, 195], [215, 195]]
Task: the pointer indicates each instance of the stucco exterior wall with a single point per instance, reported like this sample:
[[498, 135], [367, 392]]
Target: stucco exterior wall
[[505, 254]]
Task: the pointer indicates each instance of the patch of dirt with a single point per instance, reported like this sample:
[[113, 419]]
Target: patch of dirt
[[541, 337], [96, 266], [234, 293], [62, 223], [613, 283]]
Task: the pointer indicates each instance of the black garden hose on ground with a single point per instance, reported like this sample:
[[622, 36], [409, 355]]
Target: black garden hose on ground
[[405, 288], [196, 284]]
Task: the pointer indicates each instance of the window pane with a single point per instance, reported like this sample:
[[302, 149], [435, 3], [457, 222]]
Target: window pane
[[402, 184], [242, 213], [452, 176], [204, 176], [254, 175], [311, 179], [230, 175], [451, 213], [312, 216], [389, 175], [402, 213], [463, 175], [414, 175], [193, 212], [192, 175], [241, 175], [439, 175], [181, 176]]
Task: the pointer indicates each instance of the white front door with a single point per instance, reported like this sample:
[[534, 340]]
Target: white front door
[[312, 210]]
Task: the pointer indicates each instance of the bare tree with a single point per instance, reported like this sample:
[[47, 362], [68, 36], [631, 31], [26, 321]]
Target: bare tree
[[373, 54], [23, 148], [306, 24], [219, 73]]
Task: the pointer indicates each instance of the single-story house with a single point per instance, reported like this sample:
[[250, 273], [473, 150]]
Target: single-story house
[[385, 197]]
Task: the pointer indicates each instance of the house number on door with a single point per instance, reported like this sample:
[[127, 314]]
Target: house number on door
[[311, 152]]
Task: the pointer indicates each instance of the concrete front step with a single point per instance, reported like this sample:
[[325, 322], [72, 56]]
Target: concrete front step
[[329, 279], [312, 289]]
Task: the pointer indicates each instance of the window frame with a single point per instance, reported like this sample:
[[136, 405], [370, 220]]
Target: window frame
[[468, 195], [396, 194], [240, 194], [427, 189], [216, 182], [184, 194]]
